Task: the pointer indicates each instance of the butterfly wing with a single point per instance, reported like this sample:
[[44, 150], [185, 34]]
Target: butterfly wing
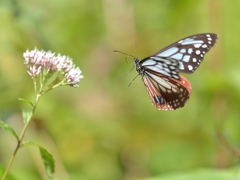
[[189, 52], [166, 93]]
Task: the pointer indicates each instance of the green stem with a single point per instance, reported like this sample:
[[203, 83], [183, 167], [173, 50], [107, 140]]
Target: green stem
[[19, 143], [57, 82]]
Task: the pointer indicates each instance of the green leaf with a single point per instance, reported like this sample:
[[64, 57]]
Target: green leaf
[[48, 161], [9, 129], [25, 100], [26, 143], [47, 158], [27, 114]]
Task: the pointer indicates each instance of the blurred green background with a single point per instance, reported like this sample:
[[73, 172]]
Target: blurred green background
[[104, 130]]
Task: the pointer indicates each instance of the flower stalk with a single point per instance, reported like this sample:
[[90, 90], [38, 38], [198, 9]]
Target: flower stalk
[[48, 71], [19, 143]]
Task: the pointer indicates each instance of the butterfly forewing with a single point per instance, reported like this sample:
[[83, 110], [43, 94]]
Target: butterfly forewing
[[167, 93], [189, 52], [166, 67]]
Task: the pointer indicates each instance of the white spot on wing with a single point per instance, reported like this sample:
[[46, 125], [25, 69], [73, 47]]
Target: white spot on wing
[[168, 52], [192, 42], [181, 66], [183, 51], [186, 58], [177, 56], [198, 52], [190, 50], [190, 67], [149, 62], [197, 45]]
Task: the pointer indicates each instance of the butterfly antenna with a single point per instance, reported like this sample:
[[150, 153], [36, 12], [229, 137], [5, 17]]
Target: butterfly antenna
[[133, 80], [126, 58], [124, 53]]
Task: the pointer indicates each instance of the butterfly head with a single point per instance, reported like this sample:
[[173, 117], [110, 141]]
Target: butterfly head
[[139, 68]]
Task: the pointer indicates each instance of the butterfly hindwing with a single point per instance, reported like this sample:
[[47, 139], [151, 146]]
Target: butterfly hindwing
[[167, 93]]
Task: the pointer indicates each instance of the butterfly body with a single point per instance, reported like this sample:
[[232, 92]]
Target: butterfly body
[[167, 89]]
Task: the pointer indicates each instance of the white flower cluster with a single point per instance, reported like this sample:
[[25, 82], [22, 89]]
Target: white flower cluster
[[48, 63]]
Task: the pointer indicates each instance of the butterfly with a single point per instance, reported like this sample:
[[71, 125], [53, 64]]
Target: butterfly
[[167, 89]]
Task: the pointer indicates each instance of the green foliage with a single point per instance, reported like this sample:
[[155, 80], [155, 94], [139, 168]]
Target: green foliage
[[27, 114], [47, 159], [9, 129], [25, 100]]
